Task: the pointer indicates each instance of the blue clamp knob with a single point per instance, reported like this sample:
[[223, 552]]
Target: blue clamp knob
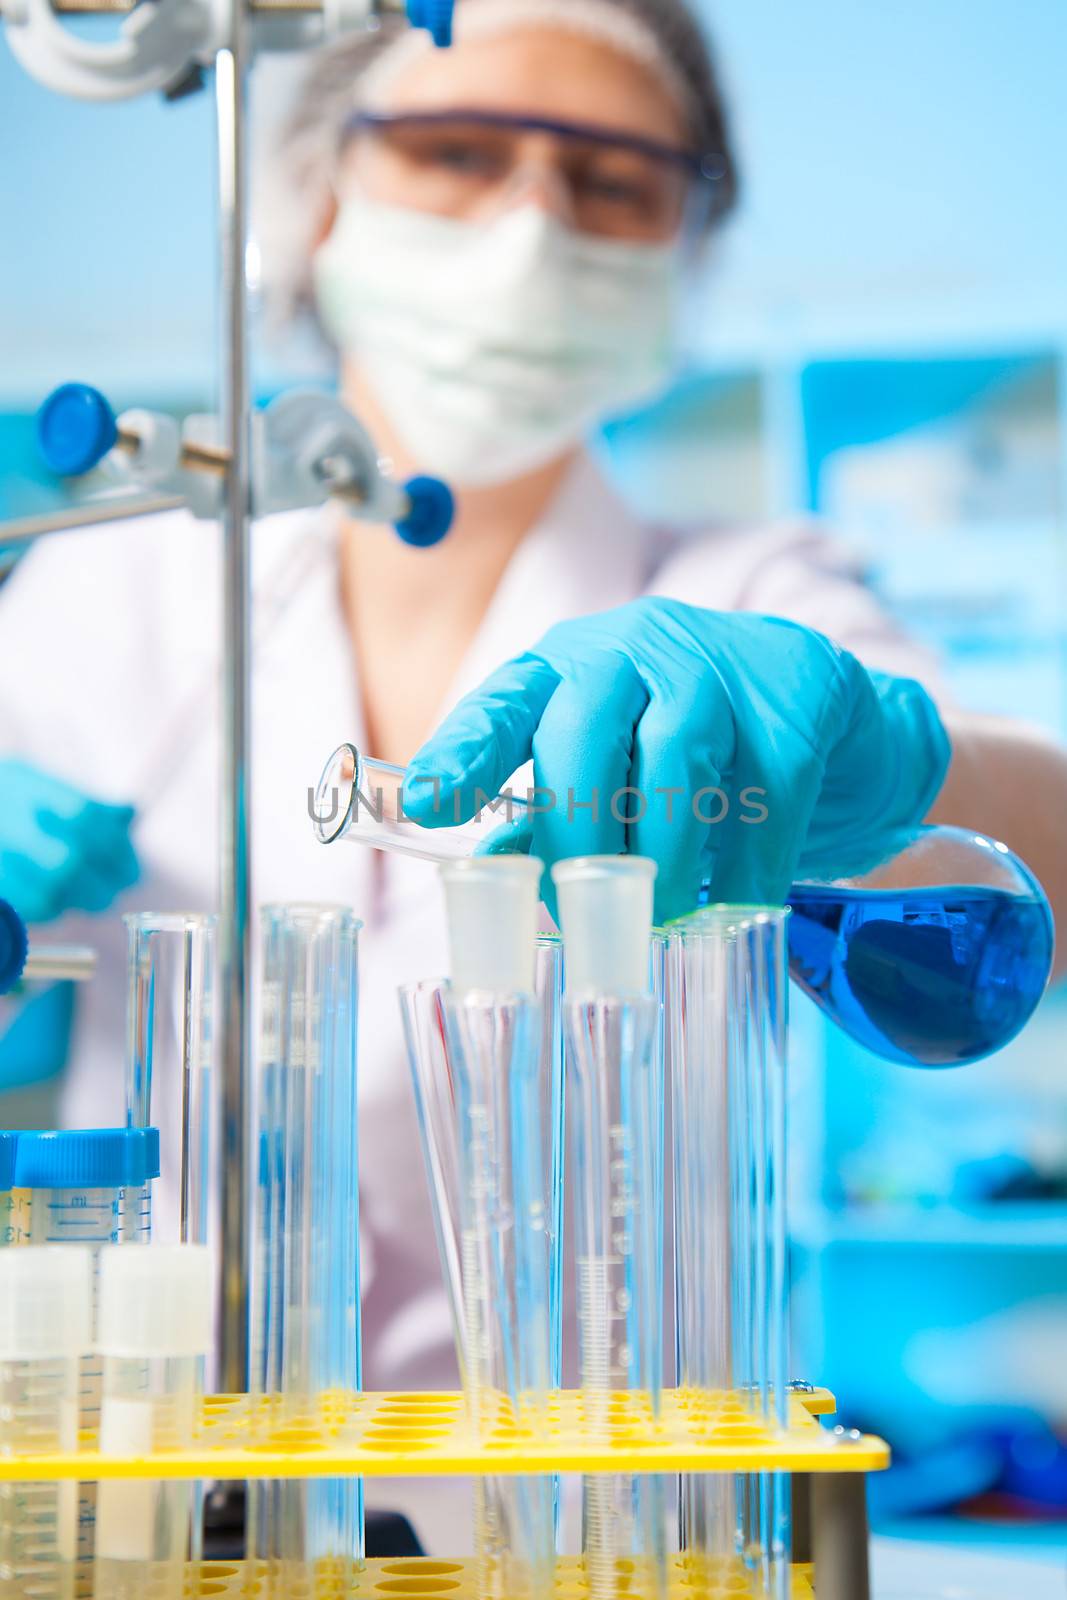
[[435, 16], [14, 946], [431, 510], [75, 429]]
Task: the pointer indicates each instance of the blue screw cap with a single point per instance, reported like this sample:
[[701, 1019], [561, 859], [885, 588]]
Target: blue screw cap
[[435, 16], [75, 429], [431, 512], [14, 946], [8, 1148], [91, 1158]]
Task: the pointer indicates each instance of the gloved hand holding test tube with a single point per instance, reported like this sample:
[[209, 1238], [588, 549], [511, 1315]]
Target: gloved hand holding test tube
[[897, 957]]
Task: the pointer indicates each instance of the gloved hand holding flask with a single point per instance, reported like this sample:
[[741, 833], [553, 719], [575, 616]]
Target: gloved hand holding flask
[[734, 749]]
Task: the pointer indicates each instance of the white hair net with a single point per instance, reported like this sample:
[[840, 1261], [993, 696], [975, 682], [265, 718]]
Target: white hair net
[[293, 194]]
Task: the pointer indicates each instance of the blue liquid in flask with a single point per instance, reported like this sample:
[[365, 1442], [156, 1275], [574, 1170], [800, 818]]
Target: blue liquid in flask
[[931, 977]]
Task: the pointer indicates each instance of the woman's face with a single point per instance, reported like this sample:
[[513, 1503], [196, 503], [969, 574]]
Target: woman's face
[[425, 156]]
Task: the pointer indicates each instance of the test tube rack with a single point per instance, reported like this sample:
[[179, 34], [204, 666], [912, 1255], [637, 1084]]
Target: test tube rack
[[420, 1576], [429, 1434]]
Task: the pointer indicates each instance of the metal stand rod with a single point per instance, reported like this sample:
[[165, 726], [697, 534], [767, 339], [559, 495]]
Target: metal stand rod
[[59, 963], [800, 1520], [840, 1535], [21, 530], [234, 831], [256, 7]]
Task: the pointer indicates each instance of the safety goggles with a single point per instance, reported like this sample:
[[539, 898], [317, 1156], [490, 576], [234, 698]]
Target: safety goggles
[[468, 164]]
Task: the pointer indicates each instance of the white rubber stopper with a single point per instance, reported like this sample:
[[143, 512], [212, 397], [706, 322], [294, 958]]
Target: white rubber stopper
[[45, 1304], [155, 1300], [605, 912], [491, 904]]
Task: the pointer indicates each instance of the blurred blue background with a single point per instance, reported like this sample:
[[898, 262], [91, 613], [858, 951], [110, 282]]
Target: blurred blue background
[[881, 339]]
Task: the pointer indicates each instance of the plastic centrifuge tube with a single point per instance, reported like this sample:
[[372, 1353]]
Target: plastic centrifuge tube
[[361, 800], [726, 1005], [154, 1326], [306, 1329], [10, 1207], [615, 1109], [433, 1073], [88, 1187], [44, 1332], [506, 1203], [171, 971]]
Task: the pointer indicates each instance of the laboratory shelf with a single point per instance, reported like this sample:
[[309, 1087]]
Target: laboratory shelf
[[429, 1435], [1033, 1225], [424, 1575]]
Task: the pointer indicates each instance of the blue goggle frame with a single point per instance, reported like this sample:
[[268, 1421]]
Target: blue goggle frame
[[709, 168]]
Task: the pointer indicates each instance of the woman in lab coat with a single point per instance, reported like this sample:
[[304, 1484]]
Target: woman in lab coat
[[491, 238]]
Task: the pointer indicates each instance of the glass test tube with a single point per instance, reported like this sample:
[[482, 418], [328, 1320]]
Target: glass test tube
[[508, 1169], [171, 1082], [615, 1098], [433, 1072], [87, 1187], [726, 1003], [154, 1330], [44, 1331], [170, 1078], [306, 1330], [361, 800]]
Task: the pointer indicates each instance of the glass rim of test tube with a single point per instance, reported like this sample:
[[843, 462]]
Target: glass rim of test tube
[[169, 921], [336, 775]]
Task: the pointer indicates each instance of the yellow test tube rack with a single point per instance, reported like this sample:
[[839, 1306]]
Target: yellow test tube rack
[[423, 1577], [430, 1435]]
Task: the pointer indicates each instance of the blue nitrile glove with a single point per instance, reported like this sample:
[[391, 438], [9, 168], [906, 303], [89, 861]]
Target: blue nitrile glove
[[59, 850], [816, 762]]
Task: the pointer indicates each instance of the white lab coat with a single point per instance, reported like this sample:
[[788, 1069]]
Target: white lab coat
[[108, 678]]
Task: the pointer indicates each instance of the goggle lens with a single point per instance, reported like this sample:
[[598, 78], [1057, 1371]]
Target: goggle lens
[[463, 165]]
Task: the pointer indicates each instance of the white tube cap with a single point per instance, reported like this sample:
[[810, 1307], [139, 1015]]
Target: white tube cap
[[45, 1304], [155, 1300], [605, 911], [491, 904]]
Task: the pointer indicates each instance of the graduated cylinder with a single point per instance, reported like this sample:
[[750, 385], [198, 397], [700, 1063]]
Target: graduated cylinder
[[306, 1327], [726, 1023], [507, 1099], [615, 1110]]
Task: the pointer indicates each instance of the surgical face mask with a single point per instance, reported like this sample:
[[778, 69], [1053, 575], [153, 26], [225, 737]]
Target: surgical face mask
[[494, 346]]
